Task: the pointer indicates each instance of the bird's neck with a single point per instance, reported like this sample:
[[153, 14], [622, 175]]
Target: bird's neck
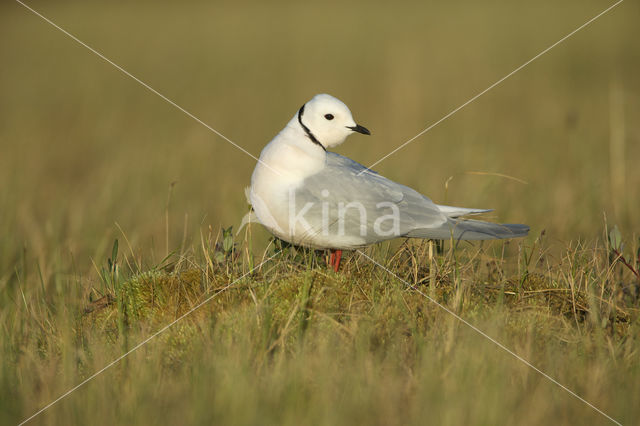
[[291, 153], [297, 133]]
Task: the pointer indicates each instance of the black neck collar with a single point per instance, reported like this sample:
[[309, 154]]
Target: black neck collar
[[307, 131]]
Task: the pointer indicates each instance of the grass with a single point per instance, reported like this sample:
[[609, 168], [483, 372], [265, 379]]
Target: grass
[[89, 157], [292, 342]]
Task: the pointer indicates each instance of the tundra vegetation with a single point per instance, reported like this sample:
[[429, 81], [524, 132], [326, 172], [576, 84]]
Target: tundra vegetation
[[116, 215]]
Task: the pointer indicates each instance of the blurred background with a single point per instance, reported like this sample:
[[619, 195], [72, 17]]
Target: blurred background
[[85, 149]]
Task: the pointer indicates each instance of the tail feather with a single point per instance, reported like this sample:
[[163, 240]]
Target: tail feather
[[472, 230], [453, 212]]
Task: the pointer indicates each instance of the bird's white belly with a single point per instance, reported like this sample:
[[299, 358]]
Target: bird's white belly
[[274, 204]]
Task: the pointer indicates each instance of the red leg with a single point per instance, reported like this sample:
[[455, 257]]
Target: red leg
[[332, 258], [337, 261]]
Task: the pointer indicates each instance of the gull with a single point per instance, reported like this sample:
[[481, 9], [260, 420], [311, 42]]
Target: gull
[[309, 196]]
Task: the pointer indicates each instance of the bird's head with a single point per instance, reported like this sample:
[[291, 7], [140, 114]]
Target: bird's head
[[327, 121]]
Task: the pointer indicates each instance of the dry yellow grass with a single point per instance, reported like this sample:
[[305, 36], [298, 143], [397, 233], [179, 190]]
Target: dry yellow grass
[[87, 156]]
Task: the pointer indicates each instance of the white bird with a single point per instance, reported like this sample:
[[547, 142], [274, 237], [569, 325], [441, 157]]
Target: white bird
[[309, 196]]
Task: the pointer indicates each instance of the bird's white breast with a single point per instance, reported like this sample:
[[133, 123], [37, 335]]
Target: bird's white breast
[[284, 164]]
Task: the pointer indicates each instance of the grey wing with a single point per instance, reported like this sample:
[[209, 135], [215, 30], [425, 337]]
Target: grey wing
[[355, 200]]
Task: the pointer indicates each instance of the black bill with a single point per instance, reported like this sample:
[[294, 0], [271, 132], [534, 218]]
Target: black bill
[[360, 129]]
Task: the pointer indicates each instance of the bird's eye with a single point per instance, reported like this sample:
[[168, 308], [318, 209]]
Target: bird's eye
[[328, 116]]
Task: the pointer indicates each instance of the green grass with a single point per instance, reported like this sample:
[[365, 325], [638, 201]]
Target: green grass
[[292, 342], [88, 156]]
